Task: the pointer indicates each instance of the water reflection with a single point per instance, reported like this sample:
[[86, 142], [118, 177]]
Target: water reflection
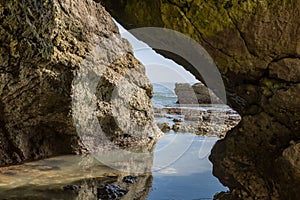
[[180, 170], [190, 176], [47, 178]]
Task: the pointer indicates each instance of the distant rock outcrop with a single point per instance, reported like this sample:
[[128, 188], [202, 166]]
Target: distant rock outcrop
[[198, 93], [68, 82], [209, 121]]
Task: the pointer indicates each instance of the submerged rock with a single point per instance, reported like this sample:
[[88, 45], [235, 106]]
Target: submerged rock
[[111, 192], [68, 82], [208, 120], [129, 179], [79, 178]]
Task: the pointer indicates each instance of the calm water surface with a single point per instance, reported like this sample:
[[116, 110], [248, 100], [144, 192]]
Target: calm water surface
[[189, 176], [178, 169]]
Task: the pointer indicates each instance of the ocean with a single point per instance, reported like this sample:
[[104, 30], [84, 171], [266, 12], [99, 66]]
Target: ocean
[[181, 168], [164, 94]]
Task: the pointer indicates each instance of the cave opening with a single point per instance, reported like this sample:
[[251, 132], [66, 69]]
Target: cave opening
[[188, 111]]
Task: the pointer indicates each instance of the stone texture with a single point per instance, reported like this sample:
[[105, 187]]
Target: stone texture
[[64, 74], [197, 93], [256, 46], [209, 121]]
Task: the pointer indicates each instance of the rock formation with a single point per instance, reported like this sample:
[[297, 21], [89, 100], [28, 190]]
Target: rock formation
[[68, 82], [256, 46], [198, 93], [209, 121]]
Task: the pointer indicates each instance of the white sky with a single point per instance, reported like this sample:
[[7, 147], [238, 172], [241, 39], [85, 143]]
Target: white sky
[[158, 68]]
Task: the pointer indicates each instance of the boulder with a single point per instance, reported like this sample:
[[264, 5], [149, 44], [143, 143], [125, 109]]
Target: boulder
[[197, 93], [68, 82], [164, 127]]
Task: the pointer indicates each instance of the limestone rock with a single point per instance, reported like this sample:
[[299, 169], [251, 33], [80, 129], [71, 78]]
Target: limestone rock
[[68, 82], [292, 155], [164, 127], [198, 93], [208, 121]]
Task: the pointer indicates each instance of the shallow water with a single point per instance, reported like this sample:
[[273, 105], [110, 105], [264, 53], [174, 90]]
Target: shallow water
[[179, 170], [189, 173]]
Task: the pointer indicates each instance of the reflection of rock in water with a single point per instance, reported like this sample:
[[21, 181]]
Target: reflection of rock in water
[[97, 188], [73, 178], [86, 189]]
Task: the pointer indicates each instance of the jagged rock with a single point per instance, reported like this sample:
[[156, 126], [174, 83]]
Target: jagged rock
[[211, 121], [292, 155], [68, 82], [255, 45], [198, 93], [164, 127], [223, 196], [186, 128]]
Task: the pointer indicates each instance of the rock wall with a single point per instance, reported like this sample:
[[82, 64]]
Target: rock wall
[[68, 82], [256, 46]]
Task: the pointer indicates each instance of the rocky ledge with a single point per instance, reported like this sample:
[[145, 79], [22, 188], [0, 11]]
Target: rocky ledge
[[68, 82], [205, 120]]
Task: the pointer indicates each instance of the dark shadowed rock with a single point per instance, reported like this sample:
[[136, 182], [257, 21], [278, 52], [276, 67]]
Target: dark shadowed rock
[[111, 192], [255, 45], [68, 82], [129, 179]]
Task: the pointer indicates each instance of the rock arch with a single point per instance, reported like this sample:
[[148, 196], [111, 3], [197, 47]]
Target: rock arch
[[256, 46]]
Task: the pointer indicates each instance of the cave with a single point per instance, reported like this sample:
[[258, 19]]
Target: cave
[[254, 45]]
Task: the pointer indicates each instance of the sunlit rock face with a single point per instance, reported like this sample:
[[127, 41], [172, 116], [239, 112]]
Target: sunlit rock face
[[256, 46], [68, 82]]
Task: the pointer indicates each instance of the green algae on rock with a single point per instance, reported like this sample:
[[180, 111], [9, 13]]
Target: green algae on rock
[[256, 46], [49, 106]]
